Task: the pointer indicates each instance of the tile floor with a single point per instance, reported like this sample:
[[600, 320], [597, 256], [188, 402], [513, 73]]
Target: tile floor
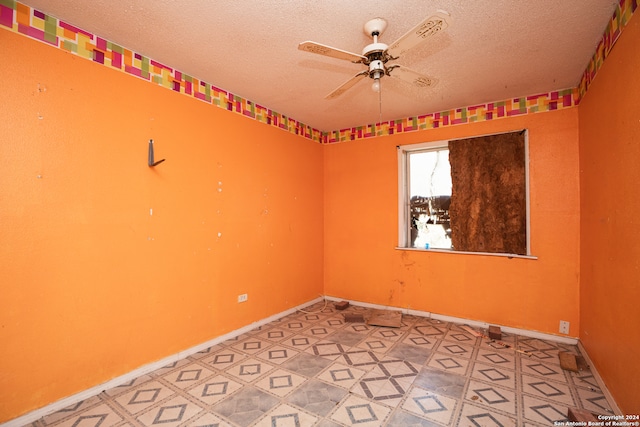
[[313, 369]]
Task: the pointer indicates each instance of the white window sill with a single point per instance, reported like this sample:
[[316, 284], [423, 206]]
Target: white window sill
[[448, 251]]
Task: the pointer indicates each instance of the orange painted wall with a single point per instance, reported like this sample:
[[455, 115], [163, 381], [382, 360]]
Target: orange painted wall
[[361, 199], [610, 222], [93, 286]]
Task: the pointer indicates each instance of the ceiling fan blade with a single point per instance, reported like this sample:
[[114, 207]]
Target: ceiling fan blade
[[410, 76], [427, 28], [333, 52], [346, 85]]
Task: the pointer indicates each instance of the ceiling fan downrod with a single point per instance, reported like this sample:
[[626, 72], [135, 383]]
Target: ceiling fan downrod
[[374, 52]]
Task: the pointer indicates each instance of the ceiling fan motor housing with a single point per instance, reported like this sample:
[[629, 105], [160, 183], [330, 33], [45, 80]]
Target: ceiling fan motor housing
[[374, 49]]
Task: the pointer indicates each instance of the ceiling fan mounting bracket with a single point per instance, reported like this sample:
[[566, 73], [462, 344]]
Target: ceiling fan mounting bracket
[[375, 26]]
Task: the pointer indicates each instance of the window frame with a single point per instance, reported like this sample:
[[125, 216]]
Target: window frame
[[404, 222]]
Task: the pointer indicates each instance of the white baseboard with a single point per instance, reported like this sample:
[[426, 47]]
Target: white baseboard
[[123, 379], [516, 331], [115, 382], [459, 320], [601, 384]]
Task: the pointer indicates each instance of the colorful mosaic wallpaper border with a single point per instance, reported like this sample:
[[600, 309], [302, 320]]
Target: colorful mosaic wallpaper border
[[618, 21], [493, 110], [35, 24]]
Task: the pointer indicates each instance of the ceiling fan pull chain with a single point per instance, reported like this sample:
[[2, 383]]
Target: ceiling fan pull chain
[[380, 104]]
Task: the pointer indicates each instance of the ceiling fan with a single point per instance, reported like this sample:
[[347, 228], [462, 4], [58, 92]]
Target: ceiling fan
[[376, 55]]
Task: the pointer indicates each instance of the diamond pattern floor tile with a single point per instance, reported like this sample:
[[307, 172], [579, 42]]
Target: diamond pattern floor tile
[[215, 389], [144, 396], [280, 382], [494, 374], [188, 375], [123, 388], [314, 369], [98, 416], [224, 358], [497, 357], [414, 354], [493, 397], [208, 419], [594, 401], [317, 397], [429, 405], [249, 370], [327, 349], [287, 416], [306, 364], [277, 354], [299, 342], [171, 366], [341, 375], [251, 345], [420, 340], [358, 411], [319, 331], [361, 359], [246, 406], [376, 344], [275, 335], [449, 363], [480, 416], [543, 411], [440, 382], [72, 410], [457, 349], [539, 387], [544, 370], [401, 418], [171, 413]]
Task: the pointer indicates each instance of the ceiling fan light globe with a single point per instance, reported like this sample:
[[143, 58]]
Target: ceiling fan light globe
[[376, 85]]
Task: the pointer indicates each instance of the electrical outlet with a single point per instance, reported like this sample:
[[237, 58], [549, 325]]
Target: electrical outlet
[[242, 298], [564, 327]]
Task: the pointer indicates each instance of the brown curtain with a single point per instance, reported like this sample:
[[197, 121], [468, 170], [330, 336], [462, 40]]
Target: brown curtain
[[488, 200]]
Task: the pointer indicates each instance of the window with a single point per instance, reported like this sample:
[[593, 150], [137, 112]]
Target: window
[[466, 195]]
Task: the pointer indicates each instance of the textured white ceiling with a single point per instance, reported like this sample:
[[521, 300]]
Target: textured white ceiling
[[492, 50]]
